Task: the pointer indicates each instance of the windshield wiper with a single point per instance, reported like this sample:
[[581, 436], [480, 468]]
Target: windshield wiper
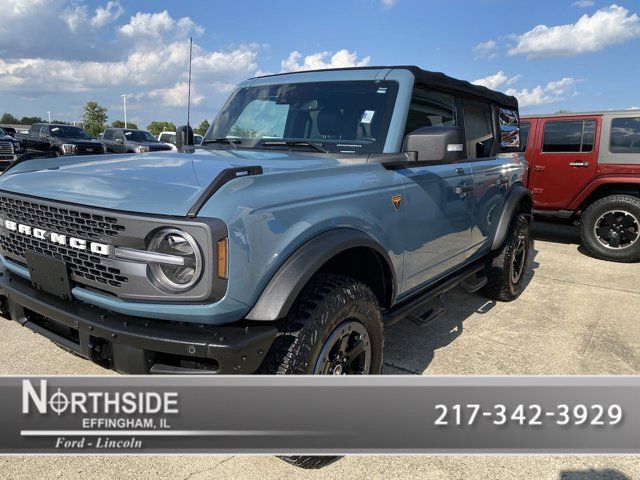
[[294, 143], [230, 141]]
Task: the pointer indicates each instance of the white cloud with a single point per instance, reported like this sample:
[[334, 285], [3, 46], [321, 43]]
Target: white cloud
[[633, 108], [552, 92], [318, 61], [177, 95], [75, 17], [497, 80], [583, 3], [389, 3], [107, 14], [486, 50], [158, 27], [539, 95], [608, 26]]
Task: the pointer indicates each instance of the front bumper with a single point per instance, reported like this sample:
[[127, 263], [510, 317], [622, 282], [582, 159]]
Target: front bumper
[[136, 345]]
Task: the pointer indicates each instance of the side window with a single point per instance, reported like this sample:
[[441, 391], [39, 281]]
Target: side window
[[478, 123], [430, 109], [525, 127], [44, 131], [117, 134], [569, 136], [34, 131], [108, 134], [625, 135]]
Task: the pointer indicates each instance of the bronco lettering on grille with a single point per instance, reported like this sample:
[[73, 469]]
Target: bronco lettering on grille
[[57, 238]]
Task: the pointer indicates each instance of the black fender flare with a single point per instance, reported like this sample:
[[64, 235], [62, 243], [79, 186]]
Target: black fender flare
[[286, 284], [517, 194]]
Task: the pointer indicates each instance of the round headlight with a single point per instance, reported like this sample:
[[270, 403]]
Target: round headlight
[[183, 268]]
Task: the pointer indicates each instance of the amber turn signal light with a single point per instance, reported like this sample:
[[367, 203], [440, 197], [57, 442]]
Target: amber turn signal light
[[223, 265]]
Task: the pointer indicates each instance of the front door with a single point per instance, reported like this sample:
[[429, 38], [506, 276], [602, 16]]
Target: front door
[[438, 208], [566, 160]]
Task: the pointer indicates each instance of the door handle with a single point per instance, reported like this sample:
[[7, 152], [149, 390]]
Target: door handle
[[462, 190], [579, 164]]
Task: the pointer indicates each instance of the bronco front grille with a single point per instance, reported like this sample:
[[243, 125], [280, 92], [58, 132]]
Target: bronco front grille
[[63, 220], [60, 219], [81, 265]]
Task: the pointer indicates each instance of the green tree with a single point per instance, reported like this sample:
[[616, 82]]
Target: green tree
[[94, 118], [9, 119], [31, 120], [202, 128], [156, 127], [120, 124]]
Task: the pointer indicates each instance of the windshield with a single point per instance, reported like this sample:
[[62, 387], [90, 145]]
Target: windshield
[[68, 132], [139, 136], [345, 117]]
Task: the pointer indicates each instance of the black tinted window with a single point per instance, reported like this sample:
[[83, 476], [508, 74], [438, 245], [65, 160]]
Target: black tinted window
[[478, 123], [430, 109], [108, 135], [571, 136], [625, 135], [524, 135]]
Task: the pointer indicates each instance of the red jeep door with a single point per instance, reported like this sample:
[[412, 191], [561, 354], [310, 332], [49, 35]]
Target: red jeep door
[[566, 159]]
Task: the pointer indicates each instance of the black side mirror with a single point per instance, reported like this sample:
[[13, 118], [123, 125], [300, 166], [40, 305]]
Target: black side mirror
[[184, 136], [436, 144]]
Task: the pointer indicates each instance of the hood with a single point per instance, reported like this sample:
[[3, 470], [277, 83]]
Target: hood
[[163, 183], [8, 138]]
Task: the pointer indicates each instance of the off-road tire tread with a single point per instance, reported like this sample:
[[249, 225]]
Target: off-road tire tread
[[498, 285], [615, 201], [298, 331]]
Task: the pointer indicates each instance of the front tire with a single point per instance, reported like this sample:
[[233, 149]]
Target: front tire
[[335, 328], [610, 228], [507, 269]]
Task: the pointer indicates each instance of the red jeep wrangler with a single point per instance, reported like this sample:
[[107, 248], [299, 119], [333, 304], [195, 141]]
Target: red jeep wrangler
[[585, 168]]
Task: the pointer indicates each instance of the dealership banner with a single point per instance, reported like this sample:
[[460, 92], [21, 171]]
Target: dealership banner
[[319, 415]]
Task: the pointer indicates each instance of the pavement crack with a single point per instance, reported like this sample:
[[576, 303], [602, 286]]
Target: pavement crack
[[208, 469], [398, 367], [590, 285]]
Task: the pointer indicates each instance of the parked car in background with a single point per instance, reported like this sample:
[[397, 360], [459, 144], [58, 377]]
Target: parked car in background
[[169, 138], [10, 148], [61, 140], [128, 140], [9, 131], [585, 169]]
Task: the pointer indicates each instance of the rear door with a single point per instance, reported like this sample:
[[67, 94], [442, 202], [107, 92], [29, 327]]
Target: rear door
[[566, 159]]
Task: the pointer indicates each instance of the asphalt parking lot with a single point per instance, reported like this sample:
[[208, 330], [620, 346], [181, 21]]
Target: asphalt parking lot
[[578, 316]]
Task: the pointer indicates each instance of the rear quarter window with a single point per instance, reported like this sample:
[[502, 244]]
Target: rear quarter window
[[625, 135]]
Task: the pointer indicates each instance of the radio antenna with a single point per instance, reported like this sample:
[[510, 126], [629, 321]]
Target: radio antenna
[[189, 84]]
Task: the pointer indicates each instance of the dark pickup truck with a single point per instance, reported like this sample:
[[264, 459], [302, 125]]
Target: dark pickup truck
[[127, 140], [61, 140]]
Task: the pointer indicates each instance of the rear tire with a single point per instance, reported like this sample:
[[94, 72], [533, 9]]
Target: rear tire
[[334, 328], [507, 269], [610, 228]]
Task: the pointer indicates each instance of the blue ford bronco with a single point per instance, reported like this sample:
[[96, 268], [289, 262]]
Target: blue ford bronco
[[321, 208]]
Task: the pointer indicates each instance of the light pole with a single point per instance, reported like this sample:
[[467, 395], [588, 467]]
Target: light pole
[[124, 100], [49, 115]]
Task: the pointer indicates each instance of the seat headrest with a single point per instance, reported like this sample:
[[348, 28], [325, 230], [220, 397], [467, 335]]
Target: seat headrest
[[330, 121]]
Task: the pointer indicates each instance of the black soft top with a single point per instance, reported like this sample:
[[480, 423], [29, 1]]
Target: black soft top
[[438, 80]]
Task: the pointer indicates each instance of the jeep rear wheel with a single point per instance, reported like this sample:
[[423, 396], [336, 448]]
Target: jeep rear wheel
[[507, 270], [334, 328], [610, 228]]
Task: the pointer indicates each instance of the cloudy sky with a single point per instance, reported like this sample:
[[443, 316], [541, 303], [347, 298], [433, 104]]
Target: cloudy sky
[[55, 55]]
